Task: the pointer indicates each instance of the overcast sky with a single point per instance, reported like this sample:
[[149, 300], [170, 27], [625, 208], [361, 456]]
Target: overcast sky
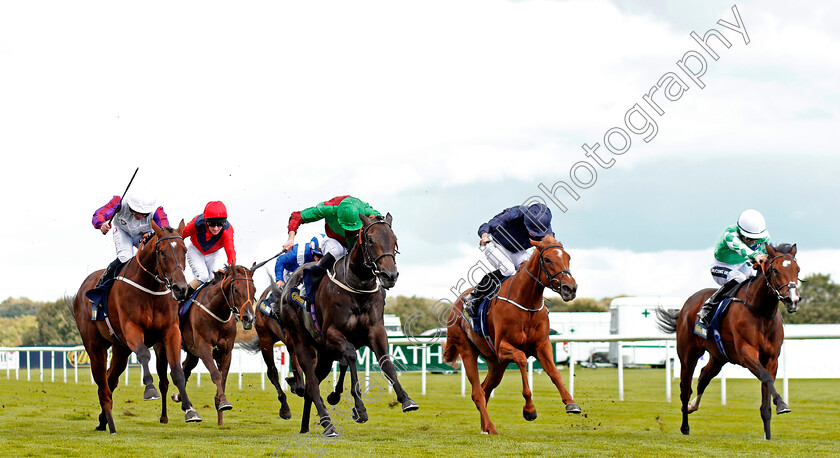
[[439, 112]]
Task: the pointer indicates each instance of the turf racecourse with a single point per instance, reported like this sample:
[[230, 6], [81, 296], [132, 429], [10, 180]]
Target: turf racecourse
[[45, 418]]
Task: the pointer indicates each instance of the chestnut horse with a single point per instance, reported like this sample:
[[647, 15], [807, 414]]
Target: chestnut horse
[[269, 332], [209, 330], [142, 313], [348, 307], [518, 326], [751, 332]]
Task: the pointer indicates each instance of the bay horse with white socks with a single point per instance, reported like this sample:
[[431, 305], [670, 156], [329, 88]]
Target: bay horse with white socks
[[751, 332], [518, 327], [141, 313], [209, 330]]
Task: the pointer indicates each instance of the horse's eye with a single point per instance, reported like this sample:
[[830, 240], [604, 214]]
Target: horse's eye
[[548, 261]]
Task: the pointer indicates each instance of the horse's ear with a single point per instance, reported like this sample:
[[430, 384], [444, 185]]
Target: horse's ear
[[365, 219], [771, 250], [181, 227], [156, 228], [793, 250], [389, 218], [534, 242]]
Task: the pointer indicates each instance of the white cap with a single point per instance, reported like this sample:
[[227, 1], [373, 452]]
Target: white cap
[[140, 203], [751, 224]]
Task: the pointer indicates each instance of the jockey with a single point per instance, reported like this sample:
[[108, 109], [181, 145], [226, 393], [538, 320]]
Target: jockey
[[737, 249], [342, 223], [506, 241], [300, 254], [208, 233], [133, 218]]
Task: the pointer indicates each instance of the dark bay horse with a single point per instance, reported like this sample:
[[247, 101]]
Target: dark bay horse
[[209, 330], [269, 332], [348, 314], [142, 312], [751, 332], [518, 326]]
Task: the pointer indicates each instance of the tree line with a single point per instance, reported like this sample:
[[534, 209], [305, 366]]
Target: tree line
[[25, 322]]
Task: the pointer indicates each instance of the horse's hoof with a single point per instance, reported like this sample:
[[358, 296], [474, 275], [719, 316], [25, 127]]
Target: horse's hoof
[[334, 398], [529, 416], [360, 416], [684, 430], [409, 406], [285, 414], [151, 394], [224, 407], [330, 431], [572, 408], [176, 396], [782, 408], [164, 420], [100, 428], [192, 416]]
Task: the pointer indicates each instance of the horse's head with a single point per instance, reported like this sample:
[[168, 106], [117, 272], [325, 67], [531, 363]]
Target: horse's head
[[782, 273], [379, 248], [554, 271], [171, 257], [239, 290]]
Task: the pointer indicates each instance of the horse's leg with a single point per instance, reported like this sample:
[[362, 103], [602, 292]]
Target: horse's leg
[[190, 361], [224, 366], [98, 370], [710, 371], [335, 396], [267, 350], [495, 372], [119, 361], [162, 364], [172, 345], [306, 358], [507, 352], [379, 345], [469, 360], [766, 391], [134, 340], [749, 359], [688, 361], [323, 366], [360, 414], [545, 357]]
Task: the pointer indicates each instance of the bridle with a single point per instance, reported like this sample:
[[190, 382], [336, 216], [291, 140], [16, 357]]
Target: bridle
[[166, 281], [369, 261], [238, 312], [544, 271], [768, 270]]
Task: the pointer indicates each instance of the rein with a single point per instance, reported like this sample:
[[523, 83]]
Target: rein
[[234, 312], [369, 260], [767, 270], [165, 281]]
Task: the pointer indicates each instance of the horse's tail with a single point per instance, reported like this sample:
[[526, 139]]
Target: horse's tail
[[450, 350], [67, 313], [667, 321], [251, 346]]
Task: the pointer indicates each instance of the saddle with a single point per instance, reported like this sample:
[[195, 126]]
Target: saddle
[[185, 306], [99, 296], [479, 321]]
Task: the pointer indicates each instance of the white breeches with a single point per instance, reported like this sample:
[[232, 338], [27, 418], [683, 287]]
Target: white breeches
[[332, 246], [203, 265], [722, 272], [504, 260], [125, 244]]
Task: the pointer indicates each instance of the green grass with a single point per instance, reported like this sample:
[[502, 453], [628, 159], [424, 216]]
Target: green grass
[[45, 418]]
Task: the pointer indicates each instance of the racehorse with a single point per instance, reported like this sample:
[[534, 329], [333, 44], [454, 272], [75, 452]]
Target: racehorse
[[346, 314], [141, 313], [209, 330], [518, 327], [751, 332], [269, 332]]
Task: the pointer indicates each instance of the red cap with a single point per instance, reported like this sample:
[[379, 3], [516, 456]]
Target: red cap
[[215, 209]]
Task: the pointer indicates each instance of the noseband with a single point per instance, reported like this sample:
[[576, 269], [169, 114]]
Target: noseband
[[544, 270]]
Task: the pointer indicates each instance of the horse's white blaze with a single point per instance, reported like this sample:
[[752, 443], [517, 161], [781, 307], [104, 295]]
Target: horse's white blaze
[[786, 263], [559, 252], [172, 244]]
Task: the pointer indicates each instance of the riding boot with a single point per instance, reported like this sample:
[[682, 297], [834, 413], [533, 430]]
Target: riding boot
[[109, 273], [484, 287], [327, 261], [707, 310]]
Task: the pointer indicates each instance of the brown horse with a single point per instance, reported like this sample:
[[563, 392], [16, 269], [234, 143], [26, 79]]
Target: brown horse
[[518, 326], [348, 309], [209, 331], [751, 332], [142, 313], [269, 332]]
